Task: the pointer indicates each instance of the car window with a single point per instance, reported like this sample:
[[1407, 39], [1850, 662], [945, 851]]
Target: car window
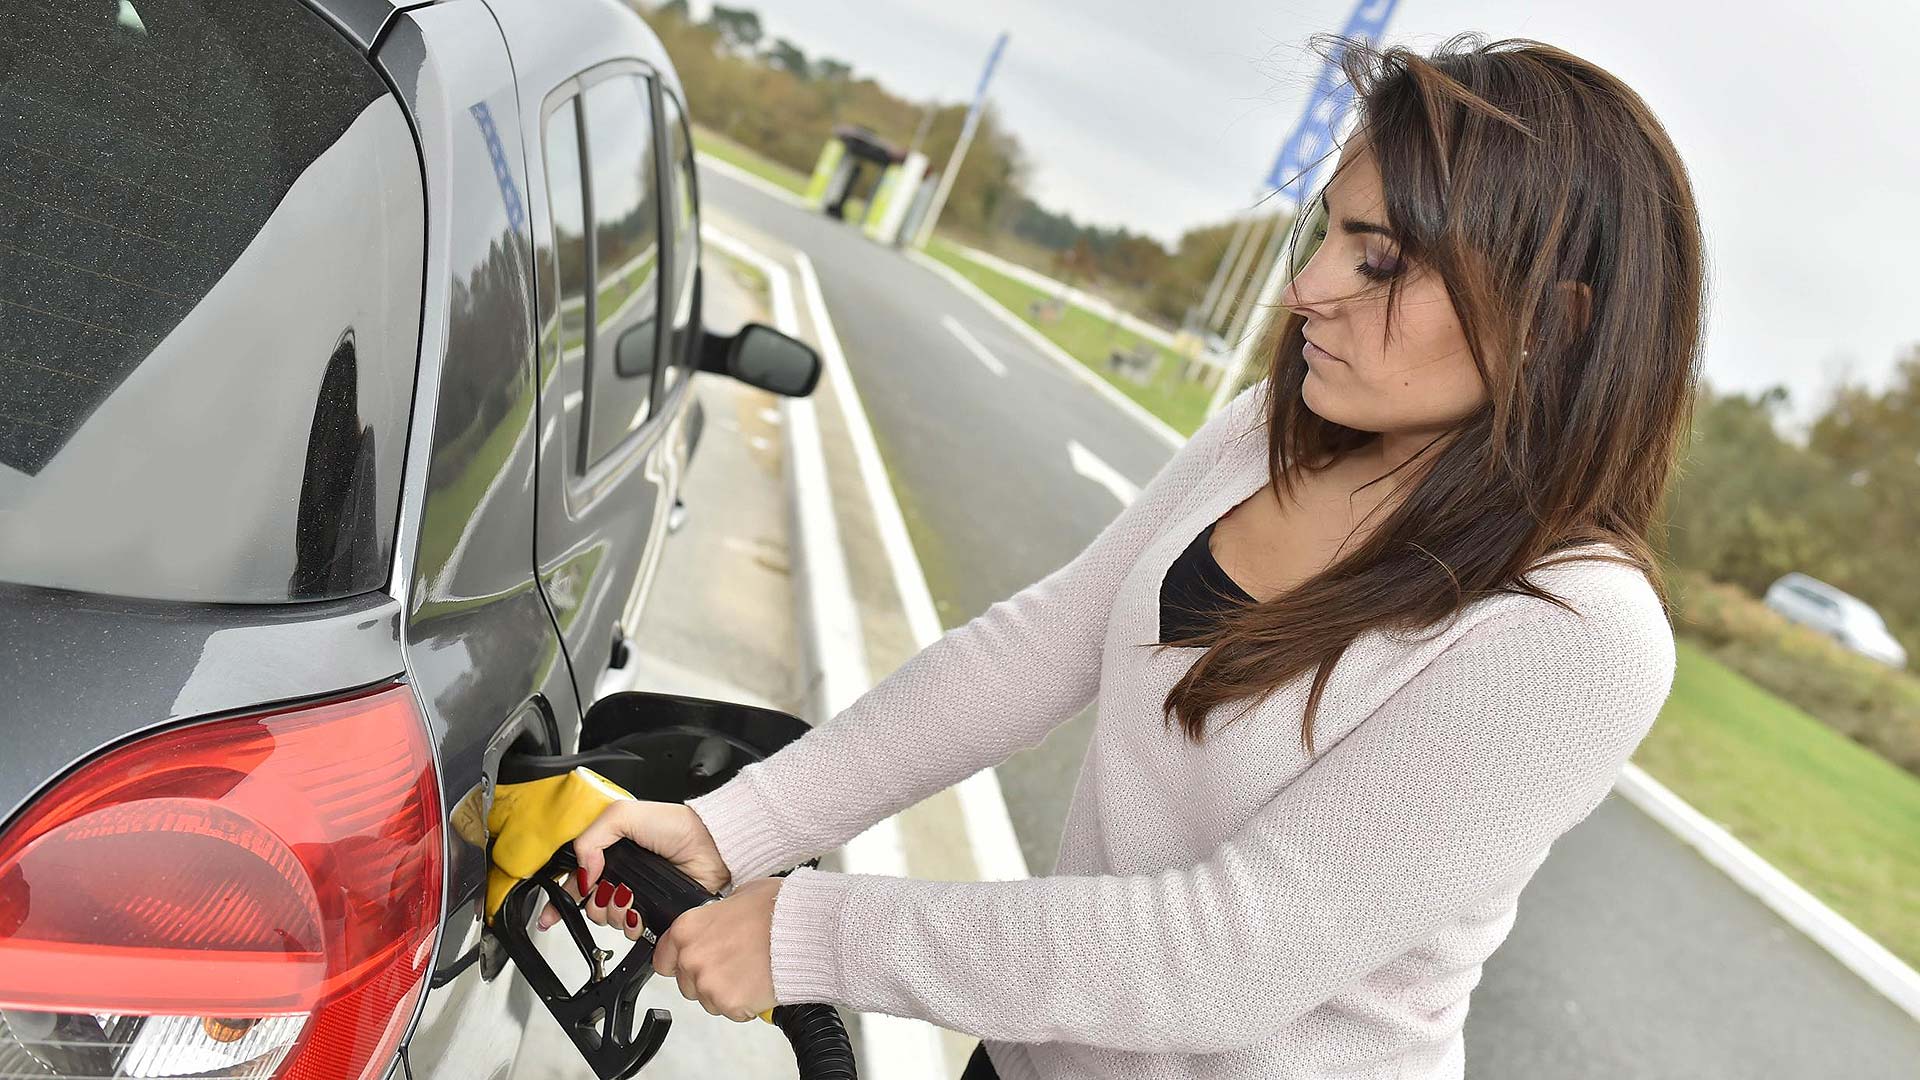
[[686, 248], [567, 199], [1818, 600], [624, 341], [210, 285]]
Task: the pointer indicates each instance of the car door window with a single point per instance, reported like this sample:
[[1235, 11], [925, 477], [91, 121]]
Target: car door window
[[686, 248], [623, 344], [567, 198]]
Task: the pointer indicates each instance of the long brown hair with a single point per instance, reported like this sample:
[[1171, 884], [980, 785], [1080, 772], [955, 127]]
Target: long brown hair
[[1508, 168]]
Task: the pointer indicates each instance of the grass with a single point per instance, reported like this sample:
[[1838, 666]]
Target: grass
[[740, 157], [1089, 339], [1874, 705], [1835, 817]]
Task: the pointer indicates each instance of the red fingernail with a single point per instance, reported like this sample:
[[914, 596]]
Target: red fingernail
[[602, 893], [633, 920], [622, 896], [582, 875]]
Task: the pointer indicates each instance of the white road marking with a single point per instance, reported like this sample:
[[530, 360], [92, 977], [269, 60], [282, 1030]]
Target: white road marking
[[983, 806], [1045, 347], [891, 1046], [1089, 465], [973, 346]]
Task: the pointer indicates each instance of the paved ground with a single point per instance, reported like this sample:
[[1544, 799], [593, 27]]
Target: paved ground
[[718, 624], [1630, 958], [721, 622]]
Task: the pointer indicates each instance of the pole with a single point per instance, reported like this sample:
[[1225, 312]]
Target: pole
[[1276, 245], [1243, 348], [959, 154], [1226, 258], [920, 133], [1300, 158], [1237, 281]]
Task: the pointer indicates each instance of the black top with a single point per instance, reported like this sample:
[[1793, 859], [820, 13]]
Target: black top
[[1196, 591]]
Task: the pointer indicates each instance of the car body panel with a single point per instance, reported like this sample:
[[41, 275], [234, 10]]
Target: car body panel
[[1838, 614], [481, 647], [83, 673], [459, 610], [593, 584], [265, 355]]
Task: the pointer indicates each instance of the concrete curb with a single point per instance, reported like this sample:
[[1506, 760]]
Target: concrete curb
[[996, 849], [1088, 302], [1826, 927], [735, 172], [1035, 338], [834, 650]]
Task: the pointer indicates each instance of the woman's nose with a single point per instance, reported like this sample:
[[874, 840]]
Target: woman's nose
[[1294, 298]]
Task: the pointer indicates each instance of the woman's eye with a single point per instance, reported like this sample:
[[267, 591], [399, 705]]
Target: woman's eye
[[1378, 272]]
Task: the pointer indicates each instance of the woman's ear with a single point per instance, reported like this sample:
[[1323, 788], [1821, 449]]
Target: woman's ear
[[1578, 296]]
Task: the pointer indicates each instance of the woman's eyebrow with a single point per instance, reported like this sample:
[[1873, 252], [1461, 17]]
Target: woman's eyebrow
[[1356, 226]]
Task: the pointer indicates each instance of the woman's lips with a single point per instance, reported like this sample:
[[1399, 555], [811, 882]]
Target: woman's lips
[[1310, 351]]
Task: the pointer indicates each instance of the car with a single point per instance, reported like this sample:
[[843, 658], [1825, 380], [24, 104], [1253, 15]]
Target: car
[[1839, 615], [345, 410]]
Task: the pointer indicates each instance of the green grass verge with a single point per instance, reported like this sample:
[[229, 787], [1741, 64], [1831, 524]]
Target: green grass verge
[[740, 157], [1089, 339], [1837, 818]]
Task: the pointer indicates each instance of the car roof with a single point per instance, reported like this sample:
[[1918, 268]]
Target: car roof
[[567, 36], [1840, 596], [552, 40]]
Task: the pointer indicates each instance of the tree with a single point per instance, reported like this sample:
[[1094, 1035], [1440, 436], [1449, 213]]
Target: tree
[[785, 56], [739, 28]]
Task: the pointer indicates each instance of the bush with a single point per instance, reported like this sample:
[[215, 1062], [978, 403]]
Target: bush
[[1870, 703]]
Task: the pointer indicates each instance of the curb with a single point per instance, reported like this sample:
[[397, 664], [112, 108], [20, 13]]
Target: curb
[[983, 806], [835, 655], [1091, 303], [765, 186], [1826, 927]]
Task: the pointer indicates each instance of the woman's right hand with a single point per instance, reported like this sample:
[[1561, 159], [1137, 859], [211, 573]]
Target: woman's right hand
[[669, 829]]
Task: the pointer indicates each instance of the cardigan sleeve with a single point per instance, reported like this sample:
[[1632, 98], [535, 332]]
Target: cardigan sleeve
[[1455, 786], [968, 700]]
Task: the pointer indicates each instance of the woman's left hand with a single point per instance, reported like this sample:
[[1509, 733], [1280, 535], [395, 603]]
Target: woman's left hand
[[721, 952]]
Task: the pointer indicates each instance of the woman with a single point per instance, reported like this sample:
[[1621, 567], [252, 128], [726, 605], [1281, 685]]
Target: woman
[[1414, 560]]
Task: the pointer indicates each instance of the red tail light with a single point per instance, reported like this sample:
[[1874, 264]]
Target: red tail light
[[250, 897]]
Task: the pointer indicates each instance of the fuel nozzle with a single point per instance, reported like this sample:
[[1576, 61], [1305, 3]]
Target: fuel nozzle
[[659, 746]]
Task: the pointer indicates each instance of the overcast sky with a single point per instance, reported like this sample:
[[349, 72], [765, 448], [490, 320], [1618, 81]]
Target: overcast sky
[[1796, 121]]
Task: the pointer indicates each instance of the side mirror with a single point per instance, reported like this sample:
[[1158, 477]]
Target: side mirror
[[764, 357], [633, 353]]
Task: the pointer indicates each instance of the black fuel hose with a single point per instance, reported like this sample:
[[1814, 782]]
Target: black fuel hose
[[662, 893], [819, 1037]]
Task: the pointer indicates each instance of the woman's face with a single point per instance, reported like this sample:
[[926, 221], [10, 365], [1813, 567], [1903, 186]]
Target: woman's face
[[1420, 383]]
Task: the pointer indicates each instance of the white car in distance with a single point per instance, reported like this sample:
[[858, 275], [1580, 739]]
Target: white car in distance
[[1839, 615]]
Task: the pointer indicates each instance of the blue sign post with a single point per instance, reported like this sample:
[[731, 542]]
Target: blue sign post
[[1293, 176], [952, 169], [1312, 137]]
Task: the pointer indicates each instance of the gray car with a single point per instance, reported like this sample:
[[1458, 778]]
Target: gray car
[[344, 405]]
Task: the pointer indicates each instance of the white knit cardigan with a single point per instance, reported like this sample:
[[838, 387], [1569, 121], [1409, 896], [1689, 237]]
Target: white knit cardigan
[[1235, 909]]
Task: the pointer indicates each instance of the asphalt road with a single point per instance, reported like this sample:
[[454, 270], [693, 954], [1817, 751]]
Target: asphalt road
[[1630, 957]]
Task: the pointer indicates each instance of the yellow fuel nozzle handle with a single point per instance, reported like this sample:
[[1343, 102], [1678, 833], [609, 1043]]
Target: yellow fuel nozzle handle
[[532, 820]]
